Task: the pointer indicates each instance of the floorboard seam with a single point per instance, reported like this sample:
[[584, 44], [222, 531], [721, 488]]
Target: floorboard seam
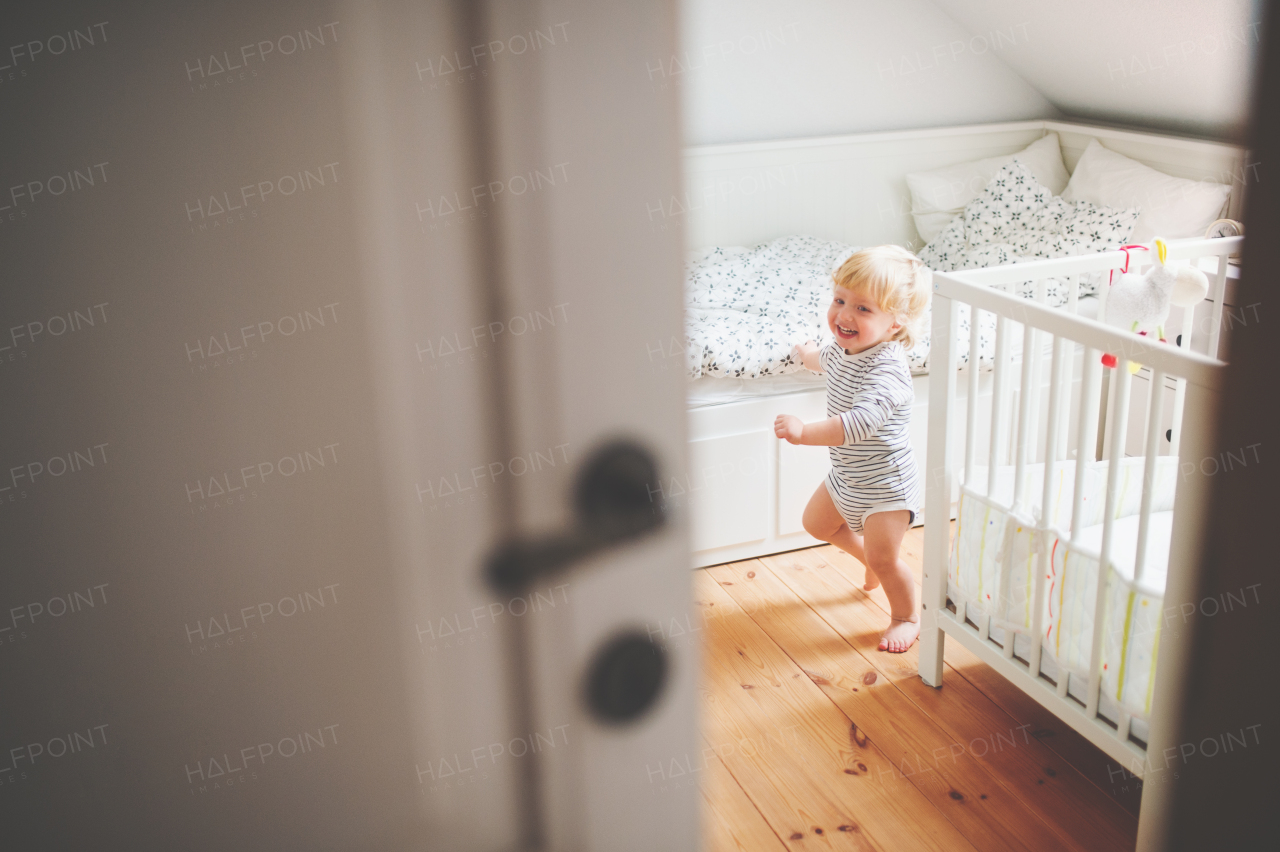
[[763, 818]]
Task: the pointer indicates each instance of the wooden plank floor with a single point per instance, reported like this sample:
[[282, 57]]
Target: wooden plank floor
[[818, 740]]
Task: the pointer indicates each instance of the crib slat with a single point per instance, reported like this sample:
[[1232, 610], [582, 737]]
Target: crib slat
[[1104, 291], [1054, 424], [1154, 410], [1119, 425], [998, 392], [1025, 395], [1036, 336], [971, 413], [1024, 410], [1146, 409], [1108, 418], [1109, 385], [1020, 447], [1064, 413], [1180, 393], [1086, 430], [1073, 306], [1219, 291]]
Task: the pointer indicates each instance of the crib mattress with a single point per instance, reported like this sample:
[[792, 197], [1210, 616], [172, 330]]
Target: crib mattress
[[1124, 549]]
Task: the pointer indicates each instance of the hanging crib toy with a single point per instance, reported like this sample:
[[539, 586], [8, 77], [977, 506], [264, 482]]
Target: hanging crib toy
[[1140, 303]]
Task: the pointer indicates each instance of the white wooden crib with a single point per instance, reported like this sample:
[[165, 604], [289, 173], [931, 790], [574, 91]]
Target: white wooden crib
[[1025, 481]]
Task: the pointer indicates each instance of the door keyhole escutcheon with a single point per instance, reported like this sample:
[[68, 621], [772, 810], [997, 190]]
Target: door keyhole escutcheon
[[625, 677]]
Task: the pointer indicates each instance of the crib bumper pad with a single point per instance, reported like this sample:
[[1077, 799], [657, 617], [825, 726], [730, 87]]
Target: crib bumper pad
[[997, 550]]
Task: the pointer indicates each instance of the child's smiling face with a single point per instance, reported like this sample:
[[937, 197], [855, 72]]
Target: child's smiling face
[[858, 322]]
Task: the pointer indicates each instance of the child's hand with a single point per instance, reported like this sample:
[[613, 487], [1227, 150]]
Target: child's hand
[[808, 353], [789, 428]]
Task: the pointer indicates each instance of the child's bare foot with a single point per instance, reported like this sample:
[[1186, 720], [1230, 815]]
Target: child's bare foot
[[870, 581], [900, 636]]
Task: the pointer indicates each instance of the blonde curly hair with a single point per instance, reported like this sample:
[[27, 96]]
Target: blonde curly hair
[[896, 280]]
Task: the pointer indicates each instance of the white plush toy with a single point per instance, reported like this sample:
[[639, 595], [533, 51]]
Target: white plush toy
[[1140, 303]]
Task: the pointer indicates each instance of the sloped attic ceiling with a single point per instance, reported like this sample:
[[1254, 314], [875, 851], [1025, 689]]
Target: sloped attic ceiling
[[775, 69], [1179, 65], [772, 69]]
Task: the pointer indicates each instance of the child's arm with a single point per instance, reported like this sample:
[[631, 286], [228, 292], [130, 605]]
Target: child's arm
[[886, 386], [809, 354], [824, 433]]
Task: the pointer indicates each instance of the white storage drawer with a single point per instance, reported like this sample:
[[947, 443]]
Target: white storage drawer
[[727, 489]]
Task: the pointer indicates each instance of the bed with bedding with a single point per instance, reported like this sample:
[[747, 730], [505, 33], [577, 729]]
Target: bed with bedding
[[759, 277]]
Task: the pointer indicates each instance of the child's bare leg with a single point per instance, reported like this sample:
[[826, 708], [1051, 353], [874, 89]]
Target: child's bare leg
[[882, 537], [823, 521], [851, 543]]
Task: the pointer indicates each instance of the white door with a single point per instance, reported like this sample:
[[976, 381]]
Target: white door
[[526, 287], [317, 306]]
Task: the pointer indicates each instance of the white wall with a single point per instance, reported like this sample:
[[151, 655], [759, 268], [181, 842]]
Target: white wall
[[1180, 65], [774, 69]]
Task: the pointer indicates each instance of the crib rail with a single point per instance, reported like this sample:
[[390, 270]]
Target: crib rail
[[1044, 438]]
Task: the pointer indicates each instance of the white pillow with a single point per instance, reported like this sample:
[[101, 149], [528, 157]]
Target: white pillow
[[1171, 206], [938, 196]]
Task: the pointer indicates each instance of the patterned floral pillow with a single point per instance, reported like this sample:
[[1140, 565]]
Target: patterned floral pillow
[[1016, 219]]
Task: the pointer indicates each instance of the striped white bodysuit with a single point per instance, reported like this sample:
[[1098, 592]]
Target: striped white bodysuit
[[874, 470]]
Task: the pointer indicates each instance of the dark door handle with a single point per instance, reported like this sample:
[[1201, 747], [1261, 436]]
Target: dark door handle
[[613, 503]]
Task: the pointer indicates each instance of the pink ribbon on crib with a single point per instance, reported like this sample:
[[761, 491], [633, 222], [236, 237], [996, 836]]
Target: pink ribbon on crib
[[1109, 360], [1125, 249]]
